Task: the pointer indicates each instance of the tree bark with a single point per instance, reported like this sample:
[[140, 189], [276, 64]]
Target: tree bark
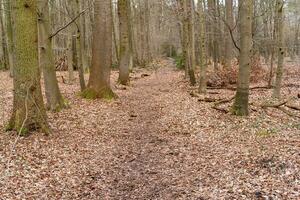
[[79, 49], [213, 32], [240, 106], [280, 46], [55, 101], [202, 43], [99, 81], [191, 40], [9, 35], [228, 41], [28, 107], [70, 57], [124, 64]]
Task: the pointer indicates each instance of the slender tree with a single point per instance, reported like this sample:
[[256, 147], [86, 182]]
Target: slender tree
[[28, 107], [229, 25], [79, 48], [202, 43], [9, 35], [55, 101], [240, 106], [213, 32], [99, 81], [70, 56], [124, 64], [280, 46]]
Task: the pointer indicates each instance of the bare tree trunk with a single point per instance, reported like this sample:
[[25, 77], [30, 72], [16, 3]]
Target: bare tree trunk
[[202, 43], [191, 41], [70, 56], [79, 51], [280, 44], [116, 46], [240, 106], [213, 32], [8, 35], [99, 82], [125, 57], [228, 41], [55, 100], [3, 43], [28, 108], [147, 23]]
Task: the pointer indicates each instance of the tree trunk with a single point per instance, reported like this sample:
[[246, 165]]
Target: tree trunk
[[191, 41], [280, 45], [28, 107], [81, 7], [70, 57], [213, 32], [99, 82], [228, 41], [240, 106], [79, 49], [3, 64], [55, 101], [148, 34], [202, 43], [124, 64]]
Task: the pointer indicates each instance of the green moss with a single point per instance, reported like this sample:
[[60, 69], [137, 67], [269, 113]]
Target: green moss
[[91, 94], [9, 126], [108, 94], [296, 126], [266, 132], [23, 131]]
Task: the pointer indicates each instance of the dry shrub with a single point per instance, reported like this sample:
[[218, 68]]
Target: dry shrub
[[228, 76]]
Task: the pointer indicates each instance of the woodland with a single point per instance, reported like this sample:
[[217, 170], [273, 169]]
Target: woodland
[[150, 99]]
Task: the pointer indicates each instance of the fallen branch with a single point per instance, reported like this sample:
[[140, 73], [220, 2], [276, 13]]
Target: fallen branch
[[288, 112], [234, 88], [294, 107], [276, 105], [204, 99], [222, 101]]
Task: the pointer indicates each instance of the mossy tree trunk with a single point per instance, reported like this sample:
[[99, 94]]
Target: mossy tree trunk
[[280, 47], [28, 107], [99, 81], [202, 43], [55, 101], [240, 106], [124, 64]]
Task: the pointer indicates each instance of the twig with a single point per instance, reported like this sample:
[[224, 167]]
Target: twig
[[68, 24], [19, 133]]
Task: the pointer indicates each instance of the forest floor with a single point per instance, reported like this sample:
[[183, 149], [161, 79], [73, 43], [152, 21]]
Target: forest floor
[[154, 142]]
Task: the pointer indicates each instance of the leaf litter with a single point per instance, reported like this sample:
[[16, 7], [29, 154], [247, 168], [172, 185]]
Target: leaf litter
[[154, 142]]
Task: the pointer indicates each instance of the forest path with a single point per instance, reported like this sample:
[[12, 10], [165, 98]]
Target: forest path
[[140, 168]]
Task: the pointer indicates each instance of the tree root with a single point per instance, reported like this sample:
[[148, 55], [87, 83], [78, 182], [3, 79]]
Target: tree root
[[219, 101], [280, 106]]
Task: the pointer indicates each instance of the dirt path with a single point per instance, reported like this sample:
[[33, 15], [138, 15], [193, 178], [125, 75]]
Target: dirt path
[[154, 142]]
